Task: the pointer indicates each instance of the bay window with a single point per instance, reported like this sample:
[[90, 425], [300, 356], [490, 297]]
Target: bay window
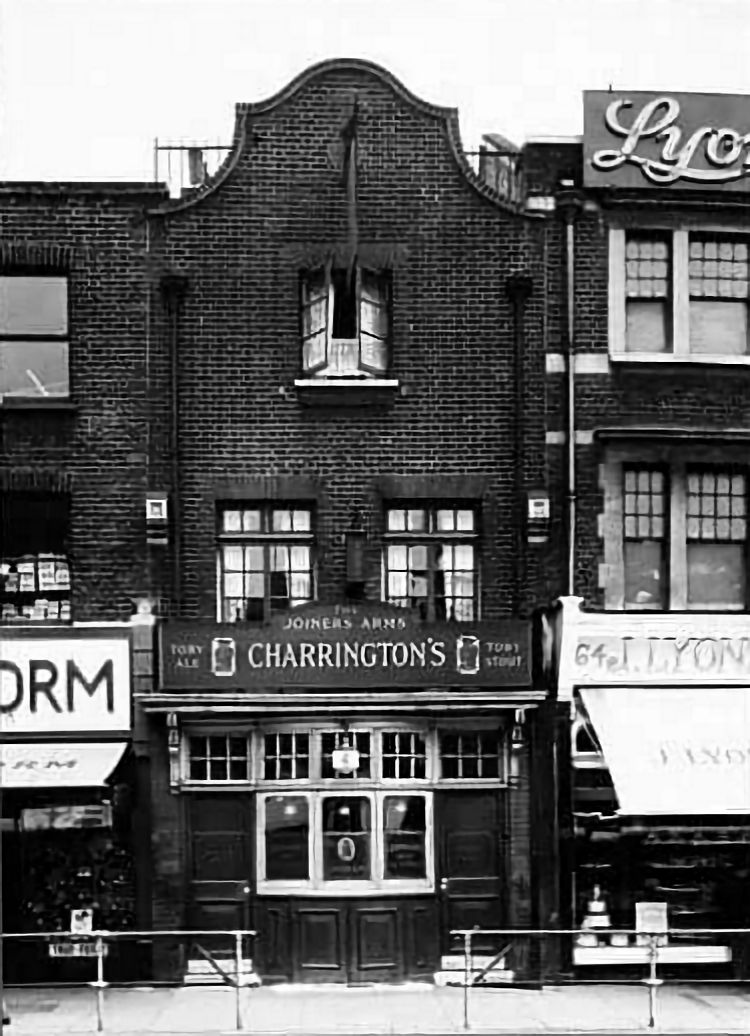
[[345, 841], [678, 294], [349, 810]]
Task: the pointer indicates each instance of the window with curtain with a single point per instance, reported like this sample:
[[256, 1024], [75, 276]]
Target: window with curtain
[[265, 560]]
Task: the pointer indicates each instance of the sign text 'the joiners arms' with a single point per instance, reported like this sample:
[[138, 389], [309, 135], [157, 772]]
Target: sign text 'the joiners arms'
[[674, 140], [345, 646]]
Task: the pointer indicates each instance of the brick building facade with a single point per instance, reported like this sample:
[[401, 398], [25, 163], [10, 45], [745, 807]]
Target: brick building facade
[[651, 252], [323, 379]]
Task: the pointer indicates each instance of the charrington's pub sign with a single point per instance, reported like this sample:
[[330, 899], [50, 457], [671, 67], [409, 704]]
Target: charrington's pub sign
[[345, 646]]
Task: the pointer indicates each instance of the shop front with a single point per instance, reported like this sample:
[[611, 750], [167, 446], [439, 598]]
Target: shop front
[[354, 784], [66, 795], [660, 708]]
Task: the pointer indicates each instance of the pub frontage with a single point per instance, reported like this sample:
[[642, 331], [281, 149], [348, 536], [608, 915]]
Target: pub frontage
[[348, 780], [660, 713]]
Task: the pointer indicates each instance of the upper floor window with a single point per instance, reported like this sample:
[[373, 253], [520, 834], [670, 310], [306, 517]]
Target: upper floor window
[[34, 563], [678, 294], [682, 538], [345, 323], [430, 561], [33, 336], [265, 560]]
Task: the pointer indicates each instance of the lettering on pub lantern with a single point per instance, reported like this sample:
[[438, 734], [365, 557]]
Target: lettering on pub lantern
[[346, 645]]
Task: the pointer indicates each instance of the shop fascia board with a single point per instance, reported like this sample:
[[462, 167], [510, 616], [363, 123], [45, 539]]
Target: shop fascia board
[[592, 646], [288, 704]]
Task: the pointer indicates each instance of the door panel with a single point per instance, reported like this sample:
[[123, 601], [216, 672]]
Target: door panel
[[376, 944], [320, 941], [221, 864], [468, 835]]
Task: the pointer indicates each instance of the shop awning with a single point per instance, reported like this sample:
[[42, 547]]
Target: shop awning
[[675, 749], [69, 765]]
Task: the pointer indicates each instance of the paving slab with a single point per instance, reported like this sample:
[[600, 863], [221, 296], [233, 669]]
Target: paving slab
[[372, 1011]]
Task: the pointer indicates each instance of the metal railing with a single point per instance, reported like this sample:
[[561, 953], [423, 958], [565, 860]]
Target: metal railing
[[656, 947], [98, 943]]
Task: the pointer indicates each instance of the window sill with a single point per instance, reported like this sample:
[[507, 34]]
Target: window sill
[[37, 403], [346, 391], [692, 359]]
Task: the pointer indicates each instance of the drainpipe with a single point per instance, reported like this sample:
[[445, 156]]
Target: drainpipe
[[174, 288], [518, 289], [569, 205]]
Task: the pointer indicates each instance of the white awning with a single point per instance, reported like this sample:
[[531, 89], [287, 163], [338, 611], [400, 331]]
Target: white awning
[[675, 749], [69, 765]]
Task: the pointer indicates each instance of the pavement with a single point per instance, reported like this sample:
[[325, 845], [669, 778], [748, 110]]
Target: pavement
[[414, 1008]]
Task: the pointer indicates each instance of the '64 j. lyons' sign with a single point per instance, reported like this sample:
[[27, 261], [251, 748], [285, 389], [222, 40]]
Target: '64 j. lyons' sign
[[348, 646]]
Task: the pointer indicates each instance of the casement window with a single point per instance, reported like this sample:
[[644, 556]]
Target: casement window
[[679, 294], [34, 560], [265, 560], [33, 336], [430, 561], [681, 534], [345, 323]]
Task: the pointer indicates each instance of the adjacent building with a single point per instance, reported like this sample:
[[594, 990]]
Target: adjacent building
[[650, 438]]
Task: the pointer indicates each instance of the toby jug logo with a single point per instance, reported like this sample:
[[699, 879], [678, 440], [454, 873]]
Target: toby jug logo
[[223, 656]]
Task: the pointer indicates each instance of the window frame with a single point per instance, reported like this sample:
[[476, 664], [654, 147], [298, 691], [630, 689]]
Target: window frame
[[431, 538], [316, 884], [676, 467], [678, 302], [62, 337], [323, 369], [267, 539]]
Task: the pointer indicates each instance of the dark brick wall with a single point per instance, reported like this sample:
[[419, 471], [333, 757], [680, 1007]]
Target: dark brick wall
[[98, 450], [241, 248]]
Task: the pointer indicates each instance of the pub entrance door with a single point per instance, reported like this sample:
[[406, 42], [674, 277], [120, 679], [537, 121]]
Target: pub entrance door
[[220, 869], [468, 831]]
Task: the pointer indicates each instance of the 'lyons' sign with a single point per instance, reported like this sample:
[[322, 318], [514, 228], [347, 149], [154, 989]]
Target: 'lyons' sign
[[61, 684], [673, 140], [341, 646]]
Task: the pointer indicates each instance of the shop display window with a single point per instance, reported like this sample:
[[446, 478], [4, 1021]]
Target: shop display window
[[351, 841], [35, 566]]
